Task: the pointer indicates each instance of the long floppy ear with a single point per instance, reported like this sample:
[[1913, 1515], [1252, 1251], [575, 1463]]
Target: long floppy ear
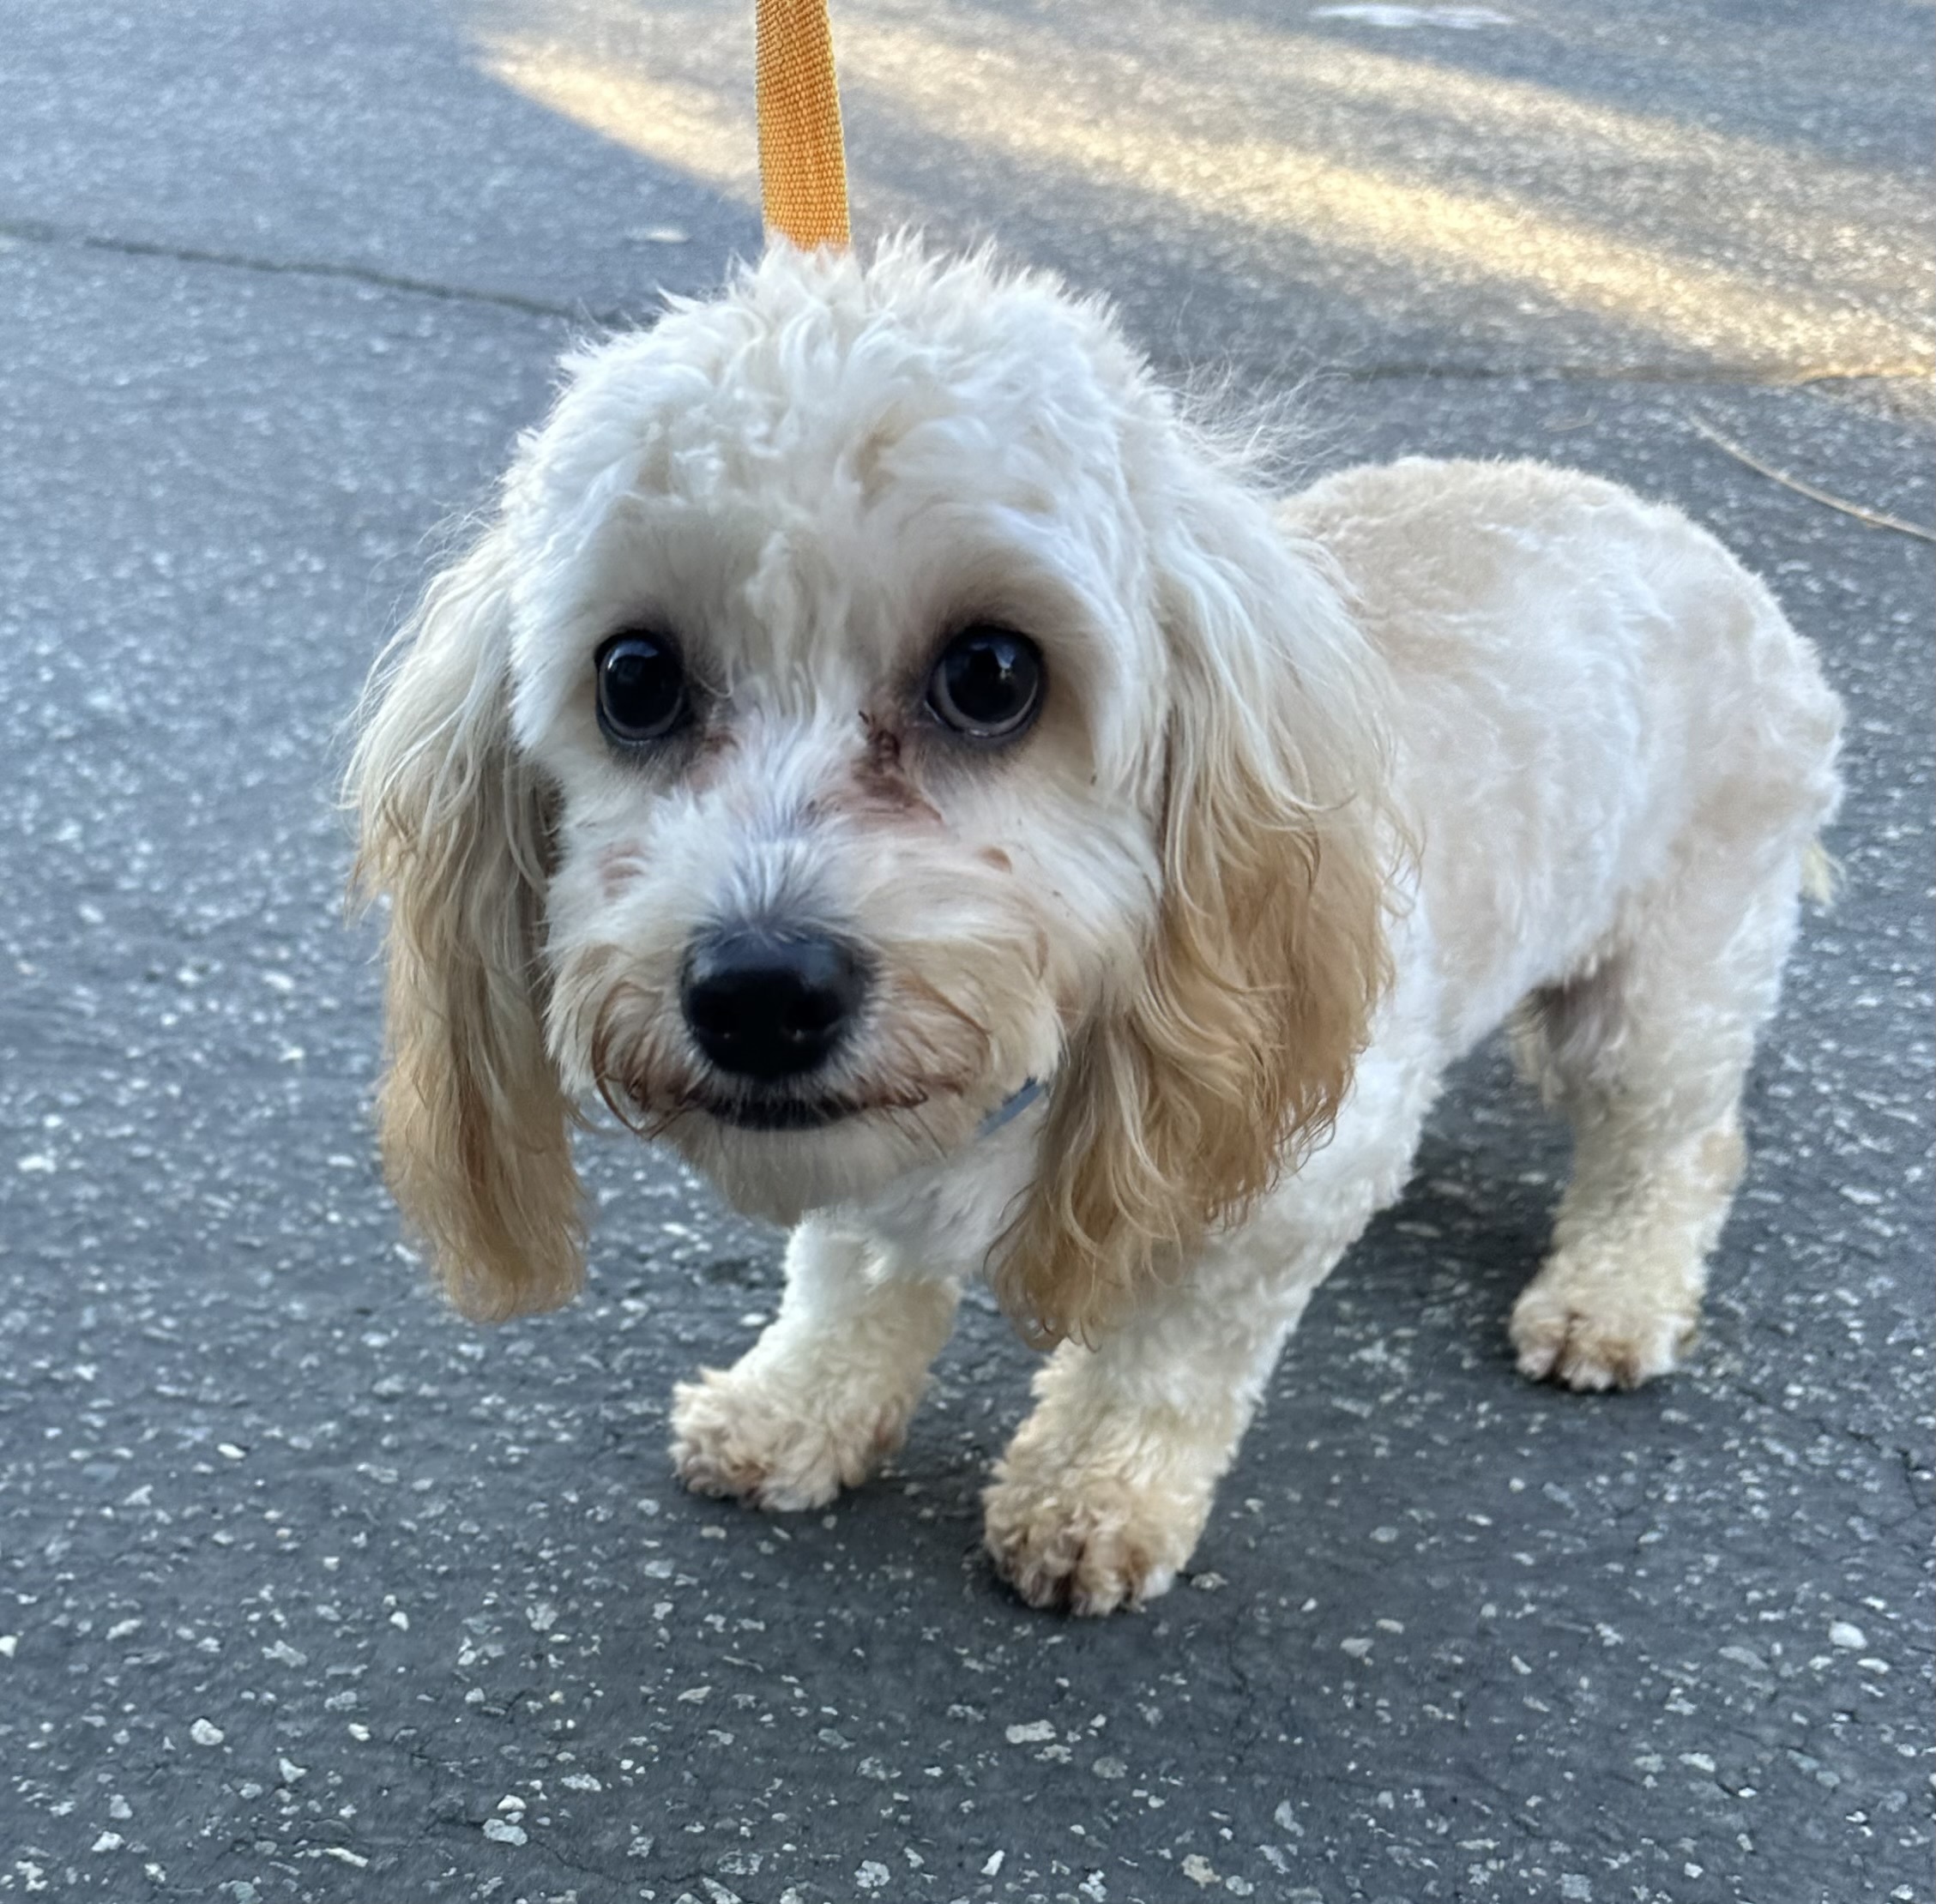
[[1228, 1056], [475, 1128]]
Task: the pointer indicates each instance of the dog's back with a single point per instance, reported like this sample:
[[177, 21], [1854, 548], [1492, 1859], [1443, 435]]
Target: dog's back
[[1586, 688]]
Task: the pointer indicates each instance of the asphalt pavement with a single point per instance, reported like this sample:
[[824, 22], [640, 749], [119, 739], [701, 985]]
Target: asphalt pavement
[[309, 1591]]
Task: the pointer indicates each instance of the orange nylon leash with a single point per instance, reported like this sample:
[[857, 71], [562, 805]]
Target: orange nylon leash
[[803, 160]]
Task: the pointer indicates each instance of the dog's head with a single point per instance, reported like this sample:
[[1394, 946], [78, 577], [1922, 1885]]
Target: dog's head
[[870, 695]]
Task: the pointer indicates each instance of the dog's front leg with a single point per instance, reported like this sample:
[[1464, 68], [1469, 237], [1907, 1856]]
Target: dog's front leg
[[1104, 1491], [826, 1393]]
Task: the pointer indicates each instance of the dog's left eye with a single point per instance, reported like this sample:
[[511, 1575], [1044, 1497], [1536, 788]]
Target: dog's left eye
[[641, 688], [988, 684]]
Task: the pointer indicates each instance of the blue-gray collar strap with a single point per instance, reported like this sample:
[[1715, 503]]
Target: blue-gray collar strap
[[1011, 1107]]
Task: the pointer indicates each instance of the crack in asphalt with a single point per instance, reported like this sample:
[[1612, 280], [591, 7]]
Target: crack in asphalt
[[54, 237], [45, 233]]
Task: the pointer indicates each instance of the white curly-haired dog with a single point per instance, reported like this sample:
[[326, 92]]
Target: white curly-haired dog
[[882, 749]]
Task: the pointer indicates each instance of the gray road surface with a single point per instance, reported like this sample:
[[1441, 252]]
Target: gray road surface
[[308, 1591]]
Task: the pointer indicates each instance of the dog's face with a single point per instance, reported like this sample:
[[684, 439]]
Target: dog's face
[[832, 631], [868, 700]]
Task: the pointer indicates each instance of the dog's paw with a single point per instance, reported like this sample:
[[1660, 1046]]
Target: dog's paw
[[748, 1435], [1594, 1331], [1085, 1541]]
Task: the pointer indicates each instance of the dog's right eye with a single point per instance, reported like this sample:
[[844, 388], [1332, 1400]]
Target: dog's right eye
[[641, 688]]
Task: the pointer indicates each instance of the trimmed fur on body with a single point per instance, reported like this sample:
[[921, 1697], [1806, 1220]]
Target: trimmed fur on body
[[1323, 791]]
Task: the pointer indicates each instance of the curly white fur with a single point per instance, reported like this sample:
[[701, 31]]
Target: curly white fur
[[1322, 791]]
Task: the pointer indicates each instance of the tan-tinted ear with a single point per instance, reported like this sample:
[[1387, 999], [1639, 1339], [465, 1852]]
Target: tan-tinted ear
[[1180, 1102], [475, 1129]]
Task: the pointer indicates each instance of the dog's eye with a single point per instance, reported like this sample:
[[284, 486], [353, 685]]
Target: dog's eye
[[641, 688], [988, 684]]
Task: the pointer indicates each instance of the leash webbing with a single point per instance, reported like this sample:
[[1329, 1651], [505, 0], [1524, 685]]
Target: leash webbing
[[803, 161]]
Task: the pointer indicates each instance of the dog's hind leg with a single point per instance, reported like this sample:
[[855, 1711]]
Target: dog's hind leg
[[1646, 1053], [826, 1393]]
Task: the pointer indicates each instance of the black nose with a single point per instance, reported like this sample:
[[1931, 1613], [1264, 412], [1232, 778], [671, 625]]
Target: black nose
[[763, 1004]]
